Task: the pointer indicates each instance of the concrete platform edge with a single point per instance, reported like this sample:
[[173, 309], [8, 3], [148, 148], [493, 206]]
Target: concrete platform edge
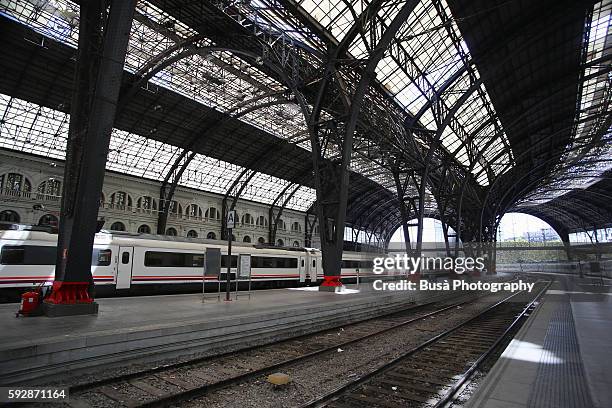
[[20, 364]]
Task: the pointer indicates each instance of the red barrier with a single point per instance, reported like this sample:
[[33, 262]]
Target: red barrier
[[68, 293], [331, 281]]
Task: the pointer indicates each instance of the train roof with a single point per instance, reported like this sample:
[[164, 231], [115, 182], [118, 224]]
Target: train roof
[[24, 232], [42, 233]]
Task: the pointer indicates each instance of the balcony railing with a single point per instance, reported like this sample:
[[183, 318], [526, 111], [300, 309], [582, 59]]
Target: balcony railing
[[16, 195], [9, 192], [48, 197], [28, 195]]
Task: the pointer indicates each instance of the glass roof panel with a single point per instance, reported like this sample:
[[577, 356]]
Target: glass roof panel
[[30, 128], [218, 79], [432, 51], [429, 50], [582, 164]]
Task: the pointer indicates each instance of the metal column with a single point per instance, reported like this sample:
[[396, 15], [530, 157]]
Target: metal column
[[99, 70]]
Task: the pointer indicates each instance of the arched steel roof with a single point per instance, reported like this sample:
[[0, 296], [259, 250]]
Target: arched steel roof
[[499, 100]]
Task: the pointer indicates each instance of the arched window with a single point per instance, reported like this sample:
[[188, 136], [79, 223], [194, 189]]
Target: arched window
[[192, 234], [193, 211], [50, 189], [144, 229], [15, 184], [261, 240], [9, 216], [212, 214], [120, 200], [296, 227], [211, 235], [117, 226], [246, 239], [280, 243], [247, 219], [147, 204], [262, 221], [171, 231], [281, 224], [175, 209], [48, 220], [296, 243]]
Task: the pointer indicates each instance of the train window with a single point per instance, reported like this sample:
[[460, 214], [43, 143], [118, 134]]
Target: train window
[[173, 260], [101, 257], [125, 258], [224, 261], [347, 263], [27, 255], [197, 260], [154, 258], [13, 255], [45, 255], [272, 262], [303, 263], [268, 262], [314, 263], [255, 260], [350, 264]]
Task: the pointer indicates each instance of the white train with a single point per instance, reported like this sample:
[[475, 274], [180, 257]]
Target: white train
[[135, 261]]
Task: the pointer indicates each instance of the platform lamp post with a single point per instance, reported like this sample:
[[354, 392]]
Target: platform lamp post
[[231, 221]]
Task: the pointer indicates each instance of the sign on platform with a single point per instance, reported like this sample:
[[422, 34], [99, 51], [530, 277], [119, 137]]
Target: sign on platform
[[245, 266], [231, 219], [212, 263]]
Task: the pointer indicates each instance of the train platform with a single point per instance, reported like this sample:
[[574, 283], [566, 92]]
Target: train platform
[[150, 328], [560, 357]]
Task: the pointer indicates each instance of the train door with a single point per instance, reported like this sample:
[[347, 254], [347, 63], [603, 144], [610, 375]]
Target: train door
[[314, 267], [124, 268], [302, 268]]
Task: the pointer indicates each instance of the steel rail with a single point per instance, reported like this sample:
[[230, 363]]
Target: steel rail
[[198, 391], [164, 367], [463, 381], [347, 388], [203, 390]]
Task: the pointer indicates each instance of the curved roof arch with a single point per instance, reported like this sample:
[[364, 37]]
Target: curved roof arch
[[528, 102]]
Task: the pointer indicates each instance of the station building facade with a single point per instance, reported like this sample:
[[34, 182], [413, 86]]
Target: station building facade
[[31, 187]]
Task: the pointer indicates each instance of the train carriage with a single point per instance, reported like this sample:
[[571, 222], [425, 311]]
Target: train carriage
[[132, 262]]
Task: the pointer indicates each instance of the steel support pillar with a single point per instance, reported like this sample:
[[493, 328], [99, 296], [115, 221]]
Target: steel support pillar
[[401, 188], [101, 54], [483, 245], [310, 221], [564, 235], [332, 179], [273, 218]]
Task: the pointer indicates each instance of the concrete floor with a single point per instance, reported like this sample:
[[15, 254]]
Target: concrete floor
[[150, 312], [156, 327], [560, 357]]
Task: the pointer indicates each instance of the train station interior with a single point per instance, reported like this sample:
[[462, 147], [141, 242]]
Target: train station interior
[[306, 203]]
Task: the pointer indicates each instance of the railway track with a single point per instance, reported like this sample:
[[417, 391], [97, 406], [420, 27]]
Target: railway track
[[435, 372], [170, 384]]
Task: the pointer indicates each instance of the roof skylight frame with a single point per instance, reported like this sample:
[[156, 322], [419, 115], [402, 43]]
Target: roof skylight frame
[[34, 129]]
